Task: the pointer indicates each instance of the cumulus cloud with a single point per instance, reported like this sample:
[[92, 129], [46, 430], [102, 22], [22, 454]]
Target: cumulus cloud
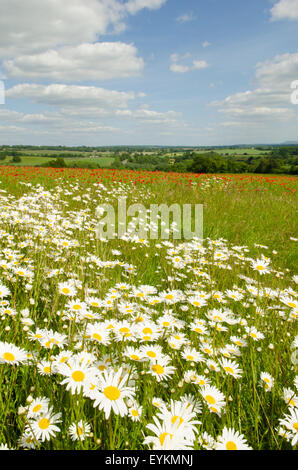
[[99, 61], [133, 6], [285, 10], [178, 67], [34, 26], [267, 104], [186, 18], [71, 95]]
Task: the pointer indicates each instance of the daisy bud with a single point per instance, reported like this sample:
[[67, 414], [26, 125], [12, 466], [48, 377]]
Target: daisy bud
[[7, 328], [29, 399]]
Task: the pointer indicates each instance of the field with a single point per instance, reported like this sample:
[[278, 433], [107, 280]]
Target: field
[[40, 159], [138, 343]]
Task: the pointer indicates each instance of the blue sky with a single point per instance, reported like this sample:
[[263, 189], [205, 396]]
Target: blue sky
[[148, 72]]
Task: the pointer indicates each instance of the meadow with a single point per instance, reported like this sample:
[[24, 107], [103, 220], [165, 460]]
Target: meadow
[[140, 344]]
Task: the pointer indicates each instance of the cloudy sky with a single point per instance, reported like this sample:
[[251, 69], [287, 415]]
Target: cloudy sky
[[148, 72]]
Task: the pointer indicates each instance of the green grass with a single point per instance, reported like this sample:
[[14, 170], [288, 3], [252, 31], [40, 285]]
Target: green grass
[[258, 212]]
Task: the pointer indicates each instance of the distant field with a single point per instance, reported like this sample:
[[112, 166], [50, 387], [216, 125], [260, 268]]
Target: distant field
[[39, 160]]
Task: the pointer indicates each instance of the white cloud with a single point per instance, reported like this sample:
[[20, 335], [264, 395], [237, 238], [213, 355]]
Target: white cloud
[[285, 10], [186, 18], [71, 95], [199, 64], [178, 68], [99, 61], [34, 26], [183, 68], [133, 6], [206, 44], [265, 110]]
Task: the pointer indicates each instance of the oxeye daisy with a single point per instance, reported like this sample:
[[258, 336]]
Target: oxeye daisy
[[135, 412], [28, 441], [44, 426], [113, 392], [158, 403], [266, 380], [160, 369], [38, 406], [77, 374], [214, 399], [4, 291], [167, 437], [152, 352], [182, 415], [231, 368], [45, 368], [97, 333], [67, 289], [260, 265], [231, 440], [12, 354], [192, 355], [133, 354], [290, 397], [290, 421], [79, 431]]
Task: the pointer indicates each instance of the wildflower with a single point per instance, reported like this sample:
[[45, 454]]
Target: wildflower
[[290, 421], [12, 354], [112, 393], [268, 379], [231, 440], [79, 431], [44, 426]]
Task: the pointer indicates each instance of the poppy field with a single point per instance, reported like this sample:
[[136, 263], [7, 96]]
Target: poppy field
[[139, 344]]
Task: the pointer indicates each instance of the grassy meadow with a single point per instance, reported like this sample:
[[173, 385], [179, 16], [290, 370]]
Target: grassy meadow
[[140, 344]]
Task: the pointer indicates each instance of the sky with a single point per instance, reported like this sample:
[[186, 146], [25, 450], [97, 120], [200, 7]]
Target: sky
[[148, 72]]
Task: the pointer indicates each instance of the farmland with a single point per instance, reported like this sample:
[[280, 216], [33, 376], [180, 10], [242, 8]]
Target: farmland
[[138, 343]]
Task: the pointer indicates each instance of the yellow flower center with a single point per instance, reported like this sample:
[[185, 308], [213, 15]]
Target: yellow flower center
[[36, 408], [210, 399], [230, 445], [151, 354], [134, 413], [174, 419], [295, 426], [163, 436], [190, 358], [78, 376], [147, 330], [229, 369], [158, 369], [97, 336], [8, 356], [44, 423], [134, 357], [124, 330], [112, 393], [65, 290]]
